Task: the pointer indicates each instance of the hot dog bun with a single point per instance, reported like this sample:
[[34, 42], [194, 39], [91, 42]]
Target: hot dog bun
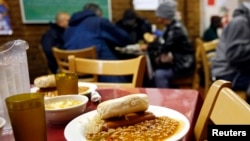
[[122, 106], [148, 37], [45, 81]]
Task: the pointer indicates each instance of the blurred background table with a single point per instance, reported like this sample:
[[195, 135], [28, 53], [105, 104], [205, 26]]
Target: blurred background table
[[132, 51], [185, 101]]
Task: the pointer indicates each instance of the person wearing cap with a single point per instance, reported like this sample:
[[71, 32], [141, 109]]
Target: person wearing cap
[[232, 58], [172, 55]]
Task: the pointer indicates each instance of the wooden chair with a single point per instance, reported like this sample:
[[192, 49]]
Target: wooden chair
[[221, 106], [62, 59], [208, 51], [192, 81], [135, 67]]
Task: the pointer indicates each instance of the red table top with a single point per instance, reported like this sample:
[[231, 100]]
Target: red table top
[[183, 100]]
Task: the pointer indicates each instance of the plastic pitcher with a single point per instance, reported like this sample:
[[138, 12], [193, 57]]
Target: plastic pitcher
[[14, 73]]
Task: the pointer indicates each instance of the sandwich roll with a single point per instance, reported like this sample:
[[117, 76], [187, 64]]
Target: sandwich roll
[[45, 81], [148, 37], [121, 106]]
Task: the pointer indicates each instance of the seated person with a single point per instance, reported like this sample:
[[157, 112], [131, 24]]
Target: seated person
[[134, 25], [54, 38], [232, 54], [172, 55], [87, 28], [211, 33]]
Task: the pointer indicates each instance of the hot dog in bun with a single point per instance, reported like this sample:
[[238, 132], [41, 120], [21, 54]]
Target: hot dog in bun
[[124, 105], [128, 118], [124, 111]]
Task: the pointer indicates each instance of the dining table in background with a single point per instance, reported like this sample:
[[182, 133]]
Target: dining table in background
[[185, 101], [132, 51]]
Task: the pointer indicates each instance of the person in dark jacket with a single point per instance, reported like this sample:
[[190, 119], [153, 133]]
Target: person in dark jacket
[[172, 55], [233, 51], [54, 38], [211, 33], [87, 28], [134, 25]]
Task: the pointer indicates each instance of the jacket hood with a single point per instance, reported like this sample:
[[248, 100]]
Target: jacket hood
[[80, 16], [53, 25], [243, 10], [56, 27]]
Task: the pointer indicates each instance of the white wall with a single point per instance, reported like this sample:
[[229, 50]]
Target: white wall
[[208, 11]]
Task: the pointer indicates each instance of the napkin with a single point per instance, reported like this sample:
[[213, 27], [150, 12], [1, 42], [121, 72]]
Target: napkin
[[95, 96]]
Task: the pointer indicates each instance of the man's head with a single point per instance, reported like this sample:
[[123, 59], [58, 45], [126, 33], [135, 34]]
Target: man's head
[[94, 8], [62, 19], [166, 11]]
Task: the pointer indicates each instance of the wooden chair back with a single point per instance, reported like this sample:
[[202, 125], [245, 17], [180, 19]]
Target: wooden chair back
[[221, 106], [196, 77], [62, 56], [207, 51], [203, 118], [134, 67]]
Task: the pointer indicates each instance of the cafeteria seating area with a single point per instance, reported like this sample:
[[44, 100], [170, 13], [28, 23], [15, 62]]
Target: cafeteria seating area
[[32, 33], [187, 71]]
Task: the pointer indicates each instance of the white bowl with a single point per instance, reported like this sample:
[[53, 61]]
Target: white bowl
[[63, 108], [2, 123]]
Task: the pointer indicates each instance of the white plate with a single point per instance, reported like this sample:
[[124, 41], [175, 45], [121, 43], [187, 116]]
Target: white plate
[[74, 130], [92, 87]]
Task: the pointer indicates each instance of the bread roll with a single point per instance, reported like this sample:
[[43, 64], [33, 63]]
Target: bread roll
[[148, 37], [45, 81], [122, 106]]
